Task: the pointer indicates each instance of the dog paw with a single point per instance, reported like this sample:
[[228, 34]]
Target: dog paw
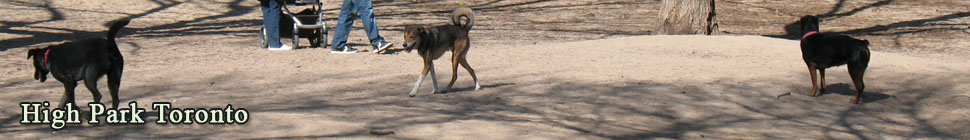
[[854, 101]]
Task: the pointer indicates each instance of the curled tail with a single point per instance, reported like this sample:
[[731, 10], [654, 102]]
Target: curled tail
[[113, 31], [115, 27], [463, 12]]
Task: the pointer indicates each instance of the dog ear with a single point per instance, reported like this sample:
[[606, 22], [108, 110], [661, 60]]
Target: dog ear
[[412, 28], [809, 23], [30, 53], [426, 30], [431, 33], [804, 22], [417, 29], [801, 23]]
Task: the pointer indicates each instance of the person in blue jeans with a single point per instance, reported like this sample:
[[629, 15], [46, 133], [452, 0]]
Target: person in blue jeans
[[271, 21], [346, 19]]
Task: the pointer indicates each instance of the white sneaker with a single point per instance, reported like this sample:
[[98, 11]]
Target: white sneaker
[[381, 46], [283, 47]]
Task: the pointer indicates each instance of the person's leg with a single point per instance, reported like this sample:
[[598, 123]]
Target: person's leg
[[271, 21], [367, 17], [366, 11], [344, 22]]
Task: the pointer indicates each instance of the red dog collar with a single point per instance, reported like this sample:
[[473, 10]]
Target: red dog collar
[[809, 34], [45, 57]]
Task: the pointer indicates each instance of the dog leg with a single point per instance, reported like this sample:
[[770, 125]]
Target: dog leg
[[464, 63], [114, 82], [811, 71], [857, 72], [424, 72], [454, 72], [92, 85], [821, 85], [434, 80], [68, 95], [91, 78]]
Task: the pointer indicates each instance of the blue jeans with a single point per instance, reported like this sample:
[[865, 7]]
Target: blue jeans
[[271, 21], [346, 19]]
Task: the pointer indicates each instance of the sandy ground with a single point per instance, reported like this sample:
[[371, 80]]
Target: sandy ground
[[590, 70]]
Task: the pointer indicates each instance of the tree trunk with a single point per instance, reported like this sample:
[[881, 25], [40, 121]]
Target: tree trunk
[[688, 17]]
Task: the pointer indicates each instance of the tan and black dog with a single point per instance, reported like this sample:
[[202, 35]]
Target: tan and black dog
[[433, 42], [823, 50], [87, 60]]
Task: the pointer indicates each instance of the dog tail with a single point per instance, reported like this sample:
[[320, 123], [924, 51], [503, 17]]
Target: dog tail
[[464, 12], [115, 27], [864, 54], [113, 31]]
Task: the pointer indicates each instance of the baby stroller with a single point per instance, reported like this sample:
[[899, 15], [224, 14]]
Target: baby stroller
[[307, 23]]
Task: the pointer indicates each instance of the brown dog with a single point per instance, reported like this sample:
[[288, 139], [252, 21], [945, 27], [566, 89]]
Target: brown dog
[[433, 42]]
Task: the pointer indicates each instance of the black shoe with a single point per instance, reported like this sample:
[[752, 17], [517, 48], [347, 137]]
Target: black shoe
[[345, 49]]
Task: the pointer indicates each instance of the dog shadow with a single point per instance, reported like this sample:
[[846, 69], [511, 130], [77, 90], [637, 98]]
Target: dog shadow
[[368, 48], [849, 90], [364, 47], [393, 51], [792, 32], [472, 88]]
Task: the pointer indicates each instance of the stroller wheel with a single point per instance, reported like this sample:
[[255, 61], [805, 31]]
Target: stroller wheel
[[314, 40], [296, 36], [318, 38]]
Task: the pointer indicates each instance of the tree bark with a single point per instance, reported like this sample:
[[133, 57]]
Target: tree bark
[[688, 17]]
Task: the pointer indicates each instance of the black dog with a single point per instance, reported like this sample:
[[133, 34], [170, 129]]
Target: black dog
[[87, 60], [433, 42], [822, 50]]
